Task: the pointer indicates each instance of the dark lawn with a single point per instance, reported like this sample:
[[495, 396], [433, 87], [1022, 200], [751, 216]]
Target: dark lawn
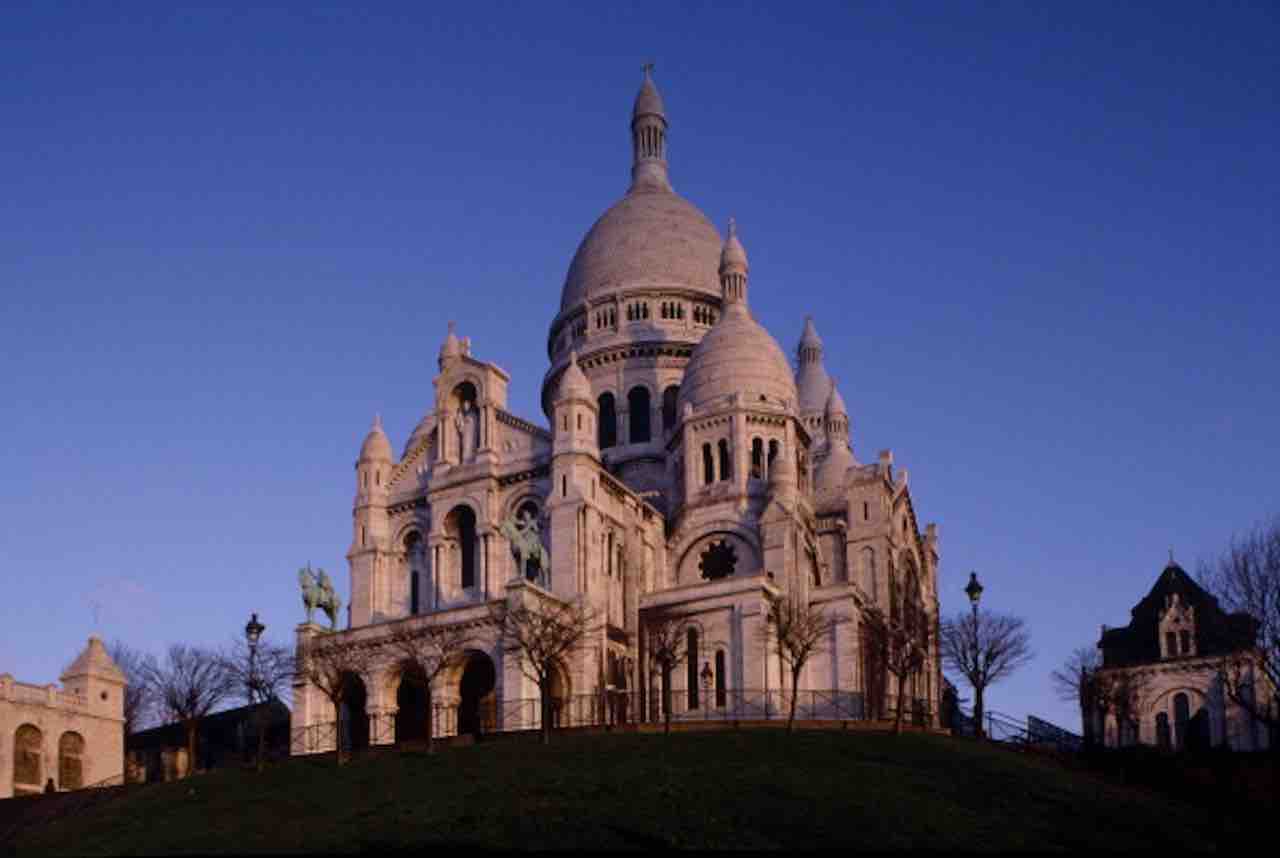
[[749, 789]]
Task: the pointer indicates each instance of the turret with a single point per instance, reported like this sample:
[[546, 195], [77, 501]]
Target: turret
[[733, 269], [451, 348], [368, 553], [812, 381], [574, 413], [97, 680], [649, 138]]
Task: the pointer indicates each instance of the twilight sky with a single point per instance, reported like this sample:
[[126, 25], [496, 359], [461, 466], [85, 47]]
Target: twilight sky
[[1040, 244]]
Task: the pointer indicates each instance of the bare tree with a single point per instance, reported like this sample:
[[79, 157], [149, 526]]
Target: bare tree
[[984, 647], [329, 666], [666, 639], [137, 699], [186, 686], [543, 632], [1246, 580], [1077, 682], [1120, 693], [797, 632], [429, 652], [264, 674], [902, 648]]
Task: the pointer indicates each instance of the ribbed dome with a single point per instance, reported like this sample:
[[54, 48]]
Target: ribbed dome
[[376, 446], [737, 356], [420, 434], [648, 238]]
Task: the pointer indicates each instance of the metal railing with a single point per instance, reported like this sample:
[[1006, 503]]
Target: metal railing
[[610, 708], [1033, 732]]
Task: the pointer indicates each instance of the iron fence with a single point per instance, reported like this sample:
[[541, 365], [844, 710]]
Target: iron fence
[[606, 709]]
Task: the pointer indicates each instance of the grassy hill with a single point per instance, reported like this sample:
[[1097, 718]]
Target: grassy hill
[[760, 789]]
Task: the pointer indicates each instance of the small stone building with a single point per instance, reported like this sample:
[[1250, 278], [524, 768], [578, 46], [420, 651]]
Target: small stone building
[[1174, 647], [72, 736]]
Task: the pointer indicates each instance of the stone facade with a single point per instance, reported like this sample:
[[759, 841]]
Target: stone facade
[[686, 470], [1175, 644], [72, 735]]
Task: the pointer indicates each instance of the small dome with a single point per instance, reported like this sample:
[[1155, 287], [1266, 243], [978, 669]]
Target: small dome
[[648, 101], [452, 346], [376, 446], [420, 434], [94, 661], [650, 237], [733, 255], [812, 380], [829, 476], [737, 356], [835, 403], [574, 384]]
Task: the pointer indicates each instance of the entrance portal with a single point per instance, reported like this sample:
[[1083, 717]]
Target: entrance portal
[[411, 706], [355, 720], [476, 709]]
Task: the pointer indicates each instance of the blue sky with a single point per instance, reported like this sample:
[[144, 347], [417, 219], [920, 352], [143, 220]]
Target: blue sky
[[1041, 244]]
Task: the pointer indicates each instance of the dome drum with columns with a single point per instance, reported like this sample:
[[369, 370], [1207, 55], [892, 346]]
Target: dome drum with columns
[[686, 470]]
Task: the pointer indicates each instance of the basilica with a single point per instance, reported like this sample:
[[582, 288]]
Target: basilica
[[684, 468]]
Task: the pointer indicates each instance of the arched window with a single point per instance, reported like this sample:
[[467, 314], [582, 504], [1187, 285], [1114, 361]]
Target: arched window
[[708, 466], [757, 458], [412, 555], [461, 526], [1184, 638], [608, 555], [725, 470], [638, 405], [71, 761], [1181, 715], [691, 668], [1170, 644], [1163, 739], [773, 454], [28, 755], [533, 570], [721, 680], [607, 430], [669, 397]]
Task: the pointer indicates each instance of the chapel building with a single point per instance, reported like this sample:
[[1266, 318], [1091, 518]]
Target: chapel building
[[686, 468], [1169, 661]]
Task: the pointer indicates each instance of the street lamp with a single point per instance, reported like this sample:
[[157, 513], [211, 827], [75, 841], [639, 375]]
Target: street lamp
[[974, 592], [252, 632]]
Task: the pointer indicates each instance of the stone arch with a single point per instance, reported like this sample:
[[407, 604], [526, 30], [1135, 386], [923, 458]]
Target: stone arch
[[414, 548], [461, 525], [355, 713], [70, 760], [639, 415], [28, 759], [476, 679], [607, 420], [689, 547], [411, 702]]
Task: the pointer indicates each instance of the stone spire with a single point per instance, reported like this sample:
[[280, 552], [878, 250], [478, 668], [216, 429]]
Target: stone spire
[[733, 269], [451, 347], [812, 380], [649, 138]]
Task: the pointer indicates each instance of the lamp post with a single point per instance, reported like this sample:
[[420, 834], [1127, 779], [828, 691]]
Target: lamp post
[[252, 633], [974, 591]]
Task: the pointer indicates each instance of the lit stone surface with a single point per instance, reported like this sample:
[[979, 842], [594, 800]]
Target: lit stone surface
[[685, 470]]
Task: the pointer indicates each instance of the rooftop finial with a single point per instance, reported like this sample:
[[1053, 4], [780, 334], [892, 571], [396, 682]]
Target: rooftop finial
[[649, 137], [1170, 555], [377, 420]]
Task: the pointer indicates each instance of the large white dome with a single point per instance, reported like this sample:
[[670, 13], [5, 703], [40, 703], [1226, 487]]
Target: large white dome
[[651, 237]]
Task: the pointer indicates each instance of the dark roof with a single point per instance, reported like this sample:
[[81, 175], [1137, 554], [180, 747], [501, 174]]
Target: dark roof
[[216, 724], [1217, 632]]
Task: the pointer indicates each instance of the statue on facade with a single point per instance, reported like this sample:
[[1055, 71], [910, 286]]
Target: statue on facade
[[522, 531], [318, 592], [467, 424]]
